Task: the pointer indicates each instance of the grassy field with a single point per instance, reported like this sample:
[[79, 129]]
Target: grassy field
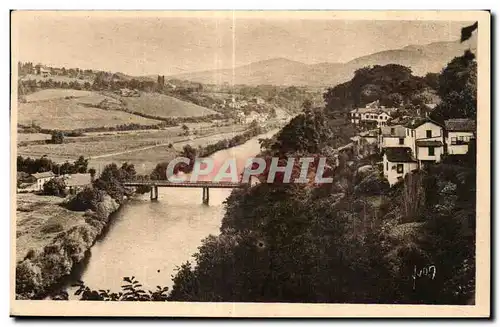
[[39, 219], [51, 94], [146, 160], [28, 137], [115, 142], [113, 145], [68, 114], [73, 109], [161, 105]]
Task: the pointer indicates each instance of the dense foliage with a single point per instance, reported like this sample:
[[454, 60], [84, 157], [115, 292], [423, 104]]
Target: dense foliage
[[393, 85], [310, 132], [458, 89], [55, 186], [43, 164], [110, 182]]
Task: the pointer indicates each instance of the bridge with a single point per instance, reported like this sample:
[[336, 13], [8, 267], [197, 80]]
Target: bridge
[[205, 185]]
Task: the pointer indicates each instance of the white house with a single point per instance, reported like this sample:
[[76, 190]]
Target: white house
[[398, 161], [380, 115], [426, 139], [459, 132], [392, 136], [42, 178]]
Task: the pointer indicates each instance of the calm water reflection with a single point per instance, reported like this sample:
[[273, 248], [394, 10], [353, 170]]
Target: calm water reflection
[[149, 240]]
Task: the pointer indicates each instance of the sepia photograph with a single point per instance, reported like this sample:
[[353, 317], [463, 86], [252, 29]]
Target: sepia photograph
[[250, 163]]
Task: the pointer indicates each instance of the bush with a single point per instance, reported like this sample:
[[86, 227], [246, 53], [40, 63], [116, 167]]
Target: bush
[[57, 137], [86, 199], [55, 186]]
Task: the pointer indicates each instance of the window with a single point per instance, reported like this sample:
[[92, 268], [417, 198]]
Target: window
[[387, 166], [399, 168], [401, 141], [428, 133], [393, 130], [453, 141], [431, 151]]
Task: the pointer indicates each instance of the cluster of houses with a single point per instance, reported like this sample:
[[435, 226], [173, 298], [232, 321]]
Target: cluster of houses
[[239, 103], [74, 182], [413, 143], [409, 143], [241, 118]]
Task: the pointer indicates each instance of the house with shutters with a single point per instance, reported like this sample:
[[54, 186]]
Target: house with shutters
[[392, 136], [397, 162], [412, 143], [41, 178], [425, 137], [372, 112], [459, 133]]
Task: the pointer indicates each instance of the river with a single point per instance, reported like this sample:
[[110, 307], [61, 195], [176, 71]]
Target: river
[[149, 240]]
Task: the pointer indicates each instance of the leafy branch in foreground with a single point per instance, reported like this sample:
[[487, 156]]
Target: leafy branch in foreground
[[131, 291]]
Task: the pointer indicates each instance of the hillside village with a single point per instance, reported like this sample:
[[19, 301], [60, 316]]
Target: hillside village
[[408, 143]]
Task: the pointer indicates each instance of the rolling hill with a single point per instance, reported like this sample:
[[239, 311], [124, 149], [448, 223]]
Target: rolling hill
[[69, 114], [160, 105], [281, 71], [67, 109]]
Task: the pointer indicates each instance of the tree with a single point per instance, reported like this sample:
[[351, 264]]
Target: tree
[[57, 137], [92, 173], [458, 89], [55, 186], [87, 199], [391, 84], [80, 165], [307, 132], [185, 129]]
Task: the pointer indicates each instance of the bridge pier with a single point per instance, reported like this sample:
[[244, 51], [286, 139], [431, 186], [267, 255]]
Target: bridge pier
[[206, 195], [154, 193]]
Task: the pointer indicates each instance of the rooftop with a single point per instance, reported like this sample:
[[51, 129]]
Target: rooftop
[[418, 121], [399, 154], [77, 180], [460, 125], [377, 111], [43, 175]]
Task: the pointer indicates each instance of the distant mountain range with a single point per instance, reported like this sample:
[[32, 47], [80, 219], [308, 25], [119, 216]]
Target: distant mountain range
[[421, 59]]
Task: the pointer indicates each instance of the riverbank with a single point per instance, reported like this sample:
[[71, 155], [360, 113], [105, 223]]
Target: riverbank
[[42, 265], [64, 245], [152, 239]]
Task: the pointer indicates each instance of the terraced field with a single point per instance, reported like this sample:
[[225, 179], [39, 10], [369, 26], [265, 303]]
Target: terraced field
[[69, 114], [67, 109]]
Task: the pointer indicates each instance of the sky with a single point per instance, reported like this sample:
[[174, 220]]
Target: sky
[[155, 44]]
